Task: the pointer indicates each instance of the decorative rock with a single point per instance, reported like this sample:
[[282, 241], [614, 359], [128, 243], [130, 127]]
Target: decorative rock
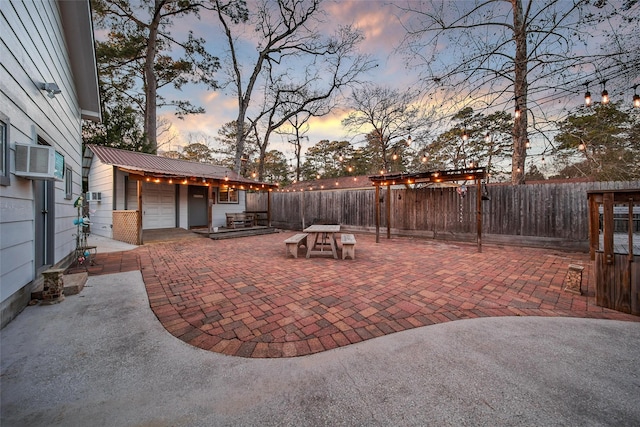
[[53, 290], [573, 280]]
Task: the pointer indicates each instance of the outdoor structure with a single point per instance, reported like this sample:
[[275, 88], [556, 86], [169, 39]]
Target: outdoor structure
[[614, 230], [129, 192], [49, 85], [467, 174]]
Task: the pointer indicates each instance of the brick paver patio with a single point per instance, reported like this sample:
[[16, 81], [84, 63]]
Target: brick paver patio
[[245, 297]]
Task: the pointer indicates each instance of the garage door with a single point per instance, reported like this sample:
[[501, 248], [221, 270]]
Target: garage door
[[158, 206]]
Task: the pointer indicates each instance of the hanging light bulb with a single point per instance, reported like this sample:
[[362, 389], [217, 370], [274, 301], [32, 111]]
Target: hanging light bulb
[[587, 98], [395, 156], [340, 157], [409, 140], [487, 138], [581, 147], [425, 157], [542, 160], [465, 136], [605, 94], [636, 100], [527, 144], [517, 112]]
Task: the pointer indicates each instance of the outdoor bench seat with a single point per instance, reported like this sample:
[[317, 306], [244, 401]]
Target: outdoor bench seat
[[294, 242], [348, 245], [240, 219]]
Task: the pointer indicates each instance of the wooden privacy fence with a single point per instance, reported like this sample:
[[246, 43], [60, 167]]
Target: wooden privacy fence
[[539, 214]]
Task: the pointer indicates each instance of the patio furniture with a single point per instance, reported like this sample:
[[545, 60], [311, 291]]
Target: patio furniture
[[294, 242], [240, 219], [323, 238], [348, 246]]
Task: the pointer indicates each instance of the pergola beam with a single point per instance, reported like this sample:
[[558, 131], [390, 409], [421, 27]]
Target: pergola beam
[[465, 174]]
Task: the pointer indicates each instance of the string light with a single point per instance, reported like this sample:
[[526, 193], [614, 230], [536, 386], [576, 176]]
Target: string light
[[517, 111], [587, 97], [527, 144], [487, 138], [465, 136], [605, 94], [636, 97], [581, 147]]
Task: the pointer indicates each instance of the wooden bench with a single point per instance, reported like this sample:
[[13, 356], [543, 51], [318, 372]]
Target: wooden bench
[[240, 219], [294, 242], [348, 245]]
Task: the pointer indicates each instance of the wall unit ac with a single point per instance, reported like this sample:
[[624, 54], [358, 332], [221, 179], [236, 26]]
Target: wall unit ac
[[36, 161], [93, 196]]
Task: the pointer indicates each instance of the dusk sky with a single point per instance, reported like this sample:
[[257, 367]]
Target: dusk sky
[[383, 33], [380, 21]]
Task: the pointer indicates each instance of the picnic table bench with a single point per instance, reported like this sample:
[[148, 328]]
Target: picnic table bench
[[294, 242], [348, 245], [240, 219]]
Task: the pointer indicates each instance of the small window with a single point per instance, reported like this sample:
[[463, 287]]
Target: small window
[[228, 195], [68, 182], [4, 150]]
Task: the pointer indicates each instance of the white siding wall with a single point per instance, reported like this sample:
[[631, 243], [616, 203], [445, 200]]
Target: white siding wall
[[183, 206], [32, 50], [221, 209], [101, 180]]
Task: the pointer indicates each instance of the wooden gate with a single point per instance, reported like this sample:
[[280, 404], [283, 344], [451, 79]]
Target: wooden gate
[[617, 269]]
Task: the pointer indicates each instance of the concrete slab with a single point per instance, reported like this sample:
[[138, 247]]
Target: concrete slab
[[101, 358]]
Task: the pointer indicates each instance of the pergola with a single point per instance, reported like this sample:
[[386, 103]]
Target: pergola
[[466, 174]]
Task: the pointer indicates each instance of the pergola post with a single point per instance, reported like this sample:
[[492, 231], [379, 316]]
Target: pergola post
[[388, 211], [377, 213], [479, 214]]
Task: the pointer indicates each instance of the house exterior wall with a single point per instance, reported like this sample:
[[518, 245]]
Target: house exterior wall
[[101, 178], [33, 51], [219, 217]]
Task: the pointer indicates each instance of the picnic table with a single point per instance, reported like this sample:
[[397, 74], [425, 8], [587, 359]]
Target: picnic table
[[322, 240]]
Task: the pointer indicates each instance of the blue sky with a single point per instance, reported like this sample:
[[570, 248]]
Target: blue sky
[[380, 22], [383, 33]]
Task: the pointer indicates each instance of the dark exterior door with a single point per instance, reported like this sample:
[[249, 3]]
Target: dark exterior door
[[44, 224], [198, 215]]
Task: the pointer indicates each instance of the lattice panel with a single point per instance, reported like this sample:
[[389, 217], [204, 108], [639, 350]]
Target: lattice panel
[[126, 227]]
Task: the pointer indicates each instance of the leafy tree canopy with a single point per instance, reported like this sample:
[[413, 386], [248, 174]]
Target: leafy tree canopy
[[600, 142]]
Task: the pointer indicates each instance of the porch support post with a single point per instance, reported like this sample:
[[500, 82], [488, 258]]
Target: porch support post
[[140, 242], [209, 207]]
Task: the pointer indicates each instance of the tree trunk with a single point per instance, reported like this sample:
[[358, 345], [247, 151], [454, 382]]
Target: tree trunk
[[520, 91], [151, 84]]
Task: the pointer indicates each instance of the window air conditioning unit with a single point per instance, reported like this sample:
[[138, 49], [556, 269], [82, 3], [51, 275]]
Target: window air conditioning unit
[[93, 196], [36, 161]]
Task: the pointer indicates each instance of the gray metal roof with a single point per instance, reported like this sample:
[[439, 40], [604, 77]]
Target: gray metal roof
[[153, 165]]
